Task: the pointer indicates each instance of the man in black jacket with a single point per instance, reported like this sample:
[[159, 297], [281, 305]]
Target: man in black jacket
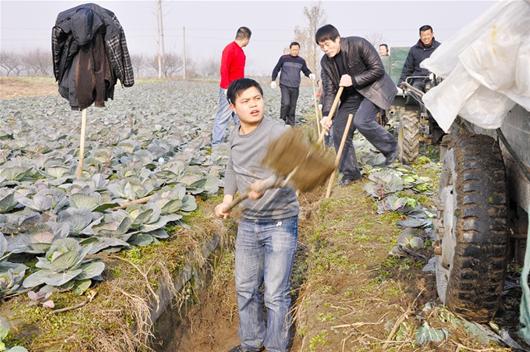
[[419, 52], [290, 65], [353, 63]]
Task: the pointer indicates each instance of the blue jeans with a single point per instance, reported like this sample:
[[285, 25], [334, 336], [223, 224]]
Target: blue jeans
[[223, 115], [265, 251]]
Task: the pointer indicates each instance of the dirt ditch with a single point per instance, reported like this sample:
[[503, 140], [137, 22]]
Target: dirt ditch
[[349, 294]]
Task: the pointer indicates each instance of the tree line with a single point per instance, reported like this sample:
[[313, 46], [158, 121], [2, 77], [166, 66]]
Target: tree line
[[38, 62]]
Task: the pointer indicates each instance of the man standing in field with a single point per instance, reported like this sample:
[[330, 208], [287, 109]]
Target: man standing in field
[[268, 227], [232, 68], [290, 65]]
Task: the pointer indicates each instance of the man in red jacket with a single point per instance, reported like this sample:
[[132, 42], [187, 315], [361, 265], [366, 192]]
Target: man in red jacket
[[232, 68]]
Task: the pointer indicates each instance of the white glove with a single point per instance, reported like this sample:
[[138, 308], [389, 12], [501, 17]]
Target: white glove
[[345, 81], [273, 84], [312, 76]]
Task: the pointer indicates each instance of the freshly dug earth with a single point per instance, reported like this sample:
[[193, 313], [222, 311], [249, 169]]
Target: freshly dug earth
[[350, 295]]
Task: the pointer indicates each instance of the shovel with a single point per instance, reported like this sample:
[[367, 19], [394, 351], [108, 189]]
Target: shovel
[[303, 166], [317, 115], [339, 154], [331, 113], [294, 162]]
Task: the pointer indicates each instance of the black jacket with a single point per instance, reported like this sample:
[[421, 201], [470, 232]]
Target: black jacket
[[89, 53], [366, 70], [416, 55]]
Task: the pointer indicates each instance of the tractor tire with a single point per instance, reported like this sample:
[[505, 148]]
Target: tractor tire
[[471, 227], [408, 137]]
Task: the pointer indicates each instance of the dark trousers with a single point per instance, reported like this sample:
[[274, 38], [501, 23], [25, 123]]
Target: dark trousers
[[288, 106], [364, 112]]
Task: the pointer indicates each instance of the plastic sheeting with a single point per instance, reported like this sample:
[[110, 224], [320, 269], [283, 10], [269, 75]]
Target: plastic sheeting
[[524, 317], [486, 68]]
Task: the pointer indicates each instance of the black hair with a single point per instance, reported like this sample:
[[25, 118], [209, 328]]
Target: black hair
[[243, 33], [425, 27], [293, 44], [238, 86], [385, 45], [326, 32]]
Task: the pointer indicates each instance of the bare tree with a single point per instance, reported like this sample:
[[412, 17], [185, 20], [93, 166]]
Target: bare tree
[[172, 64], [10, 62], [211, 68], [139, 63], [316, 17], [37, 62]]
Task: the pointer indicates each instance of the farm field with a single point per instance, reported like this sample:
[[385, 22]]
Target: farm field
[[158, 273]]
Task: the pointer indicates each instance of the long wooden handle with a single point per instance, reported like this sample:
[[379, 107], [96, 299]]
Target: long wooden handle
[[317, 117], [81, 145], [268, 183], [331, 112], [237, 200], [339, 154]]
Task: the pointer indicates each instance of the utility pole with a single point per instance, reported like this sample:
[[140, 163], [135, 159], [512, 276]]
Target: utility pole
[[161, 50], [184, 52]]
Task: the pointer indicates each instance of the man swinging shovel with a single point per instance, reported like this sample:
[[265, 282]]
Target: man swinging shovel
[[354, 65]]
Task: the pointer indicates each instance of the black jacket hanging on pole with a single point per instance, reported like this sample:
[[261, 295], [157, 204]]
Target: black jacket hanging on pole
[[89, 54]]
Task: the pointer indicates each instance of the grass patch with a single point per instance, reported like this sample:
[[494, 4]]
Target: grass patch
[[118, 319]]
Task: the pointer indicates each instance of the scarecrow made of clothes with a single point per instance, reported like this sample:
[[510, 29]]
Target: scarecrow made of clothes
[[89, 55]]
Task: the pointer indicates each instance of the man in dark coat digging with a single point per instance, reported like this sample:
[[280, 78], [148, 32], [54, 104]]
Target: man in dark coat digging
[[353, 63]]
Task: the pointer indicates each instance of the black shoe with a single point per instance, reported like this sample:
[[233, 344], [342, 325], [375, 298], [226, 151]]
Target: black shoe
[[240, 349], [345, 181], [390, 158]]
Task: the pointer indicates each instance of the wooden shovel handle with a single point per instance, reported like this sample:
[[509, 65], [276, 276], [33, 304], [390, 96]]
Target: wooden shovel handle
[[331, 112], [317, 115], [236, 201], [79, 169], [339, 154], [268, 183]]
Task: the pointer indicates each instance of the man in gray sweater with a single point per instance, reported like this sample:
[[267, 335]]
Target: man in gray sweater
[[268, 229]]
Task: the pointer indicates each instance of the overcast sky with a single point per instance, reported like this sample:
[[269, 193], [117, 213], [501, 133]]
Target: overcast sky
[[210, 25]]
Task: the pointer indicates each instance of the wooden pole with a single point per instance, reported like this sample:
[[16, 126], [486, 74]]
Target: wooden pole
[[331, 112], [339, 154], [184, 52], [161, 49], [81, 145], [317, 115]]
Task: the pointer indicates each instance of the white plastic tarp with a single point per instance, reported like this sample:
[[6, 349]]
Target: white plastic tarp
[[486, 68]]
